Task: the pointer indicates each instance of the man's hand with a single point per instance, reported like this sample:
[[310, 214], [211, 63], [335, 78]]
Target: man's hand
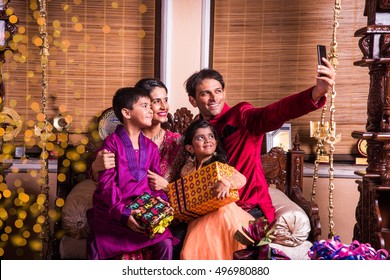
[[156, 182], [324, 83]]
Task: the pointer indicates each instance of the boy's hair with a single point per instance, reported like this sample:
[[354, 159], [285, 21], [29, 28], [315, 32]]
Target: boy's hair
[[220, 154], [192, 82], [125, 98], [149, 84]]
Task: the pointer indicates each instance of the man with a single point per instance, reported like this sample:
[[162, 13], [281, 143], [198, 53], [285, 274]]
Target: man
[[242, 127]]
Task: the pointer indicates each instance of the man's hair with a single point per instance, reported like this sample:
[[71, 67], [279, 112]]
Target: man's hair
[[149, 84], [125, 98], [195, 79]]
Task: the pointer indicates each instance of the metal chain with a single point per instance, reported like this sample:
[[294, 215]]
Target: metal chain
[[43, 132], [331, 139], [329, 136]]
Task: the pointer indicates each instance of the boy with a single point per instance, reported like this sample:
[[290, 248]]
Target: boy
[[116, 232]]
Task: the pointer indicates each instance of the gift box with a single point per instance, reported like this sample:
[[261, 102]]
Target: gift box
[[257, 238], [155, 215], [192, 196]]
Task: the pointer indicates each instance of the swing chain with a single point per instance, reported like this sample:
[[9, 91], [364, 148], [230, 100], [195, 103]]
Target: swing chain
[[326, 132], [43, 130]]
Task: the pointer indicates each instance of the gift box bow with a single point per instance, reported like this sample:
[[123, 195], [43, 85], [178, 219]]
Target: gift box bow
[[334, 249], [257, 237]]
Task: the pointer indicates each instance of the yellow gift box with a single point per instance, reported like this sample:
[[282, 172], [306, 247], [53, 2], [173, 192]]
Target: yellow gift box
[[192, 196]]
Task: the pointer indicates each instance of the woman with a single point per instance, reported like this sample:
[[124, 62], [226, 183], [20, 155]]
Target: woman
[[211, 236]]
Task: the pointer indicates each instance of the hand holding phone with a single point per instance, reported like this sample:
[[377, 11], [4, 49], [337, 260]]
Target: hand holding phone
[[321, 52]]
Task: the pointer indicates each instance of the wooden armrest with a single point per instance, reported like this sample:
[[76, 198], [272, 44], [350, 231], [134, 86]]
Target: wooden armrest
[[285, 171]]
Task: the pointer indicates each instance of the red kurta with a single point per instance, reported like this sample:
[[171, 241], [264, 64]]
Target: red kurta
[[242, 129]]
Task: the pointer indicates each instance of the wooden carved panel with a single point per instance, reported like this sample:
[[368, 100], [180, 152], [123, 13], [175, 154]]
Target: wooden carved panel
[[385, 46], [385, 4], [364, 45], [375, 99]]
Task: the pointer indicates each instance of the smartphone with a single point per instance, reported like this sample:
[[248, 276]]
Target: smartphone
[[321, 52]]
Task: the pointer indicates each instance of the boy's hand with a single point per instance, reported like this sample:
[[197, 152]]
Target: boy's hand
[[132, 223], [156, 182]]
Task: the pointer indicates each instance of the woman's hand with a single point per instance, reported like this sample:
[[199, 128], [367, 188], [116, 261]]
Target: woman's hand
[[104, 160], [132, 223], [156, 182]]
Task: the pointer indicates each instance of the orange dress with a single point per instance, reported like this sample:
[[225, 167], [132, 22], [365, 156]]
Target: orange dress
[[211, 236]]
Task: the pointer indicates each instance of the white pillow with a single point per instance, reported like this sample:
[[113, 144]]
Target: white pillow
[[78, 201], [292, 224]]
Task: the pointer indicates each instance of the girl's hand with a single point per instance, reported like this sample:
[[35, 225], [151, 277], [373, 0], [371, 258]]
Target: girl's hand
[[132, 223], [222, 189], [156, 182]]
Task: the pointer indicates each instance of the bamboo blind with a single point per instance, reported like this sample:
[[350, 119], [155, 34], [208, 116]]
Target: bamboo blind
[[266, 50], [96, 47]]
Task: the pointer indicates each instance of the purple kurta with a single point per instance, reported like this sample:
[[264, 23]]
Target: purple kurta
[[117, 188]]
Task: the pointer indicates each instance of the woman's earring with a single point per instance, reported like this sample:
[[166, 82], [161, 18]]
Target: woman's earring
[[215, 153]]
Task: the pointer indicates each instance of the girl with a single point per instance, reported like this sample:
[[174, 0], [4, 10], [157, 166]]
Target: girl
[[211, 236]]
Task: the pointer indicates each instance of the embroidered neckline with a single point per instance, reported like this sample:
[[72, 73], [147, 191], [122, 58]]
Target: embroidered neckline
[[138, 171]]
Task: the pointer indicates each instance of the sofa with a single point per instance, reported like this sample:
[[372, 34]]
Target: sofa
[[297, 225]]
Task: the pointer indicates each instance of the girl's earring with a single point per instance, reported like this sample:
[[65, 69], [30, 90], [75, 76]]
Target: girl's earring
[[192, 157], [215, 153]]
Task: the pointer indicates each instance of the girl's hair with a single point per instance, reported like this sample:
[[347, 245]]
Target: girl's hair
[[220, 154]]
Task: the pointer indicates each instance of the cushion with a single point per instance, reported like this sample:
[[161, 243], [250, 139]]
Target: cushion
[[78, 201], [292, 226]]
